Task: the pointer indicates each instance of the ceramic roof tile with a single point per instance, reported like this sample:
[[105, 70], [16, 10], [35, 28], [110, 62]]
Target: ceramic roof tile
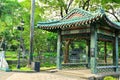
[[76, 16]]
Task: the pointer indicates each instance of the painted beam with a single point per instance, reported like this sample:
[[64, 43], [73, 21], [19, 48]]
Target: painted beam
[[93, 49], [84, 30], [105, 32], [59, 45]]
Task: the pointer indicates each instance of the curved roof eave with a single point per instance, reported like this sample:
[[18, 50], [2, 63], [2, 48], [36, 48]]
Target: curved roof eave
[[68, 23], [65, 23], [111, 23]]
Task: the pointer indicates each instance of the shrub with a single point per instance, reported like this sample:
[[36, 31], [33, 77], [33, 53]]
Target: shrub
[[109, 78]]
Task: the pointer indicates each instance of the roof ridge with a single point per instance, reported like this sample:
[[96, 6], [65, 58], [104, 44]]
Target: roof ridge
[[77, 10]]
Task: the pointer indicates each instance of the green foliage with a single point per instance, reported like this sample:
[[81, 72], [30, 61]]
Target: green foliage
[[8, 19], [10, 53], [47, 59], [110, 1], [14, 68], [49, 55], [12, 12], [109, 78], [40, 41]]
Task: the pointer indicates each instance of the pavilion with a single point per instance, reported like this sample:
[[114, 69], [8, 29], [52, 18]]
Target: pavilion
[[90, 26]]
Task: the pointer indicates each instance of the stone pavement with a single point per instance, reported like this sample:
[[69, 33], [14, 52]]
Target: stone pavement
[[35, 76]]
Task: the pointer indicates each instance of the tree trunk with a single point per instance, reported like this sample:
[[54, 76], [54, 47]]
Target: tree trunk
[[31, 31], [105, 51], [66, 55], [72, 45]]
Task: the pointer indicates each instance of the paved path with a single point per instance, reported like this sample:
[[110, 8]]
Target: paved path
[[5, 75], [34, 76]]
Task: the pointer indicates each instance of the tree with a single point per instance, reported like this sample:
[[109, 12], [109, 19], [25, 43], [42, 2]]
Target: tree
[[12, 12], [63, 6], [8, 18]]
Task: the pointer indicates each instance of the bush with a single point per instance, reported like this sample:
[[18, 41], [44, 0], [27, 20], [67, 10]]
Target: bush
[[109, 78], [47, 59]]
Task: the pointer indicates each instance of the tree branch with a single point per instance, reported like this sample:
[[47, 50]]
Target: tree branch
[[113, 12], [61, 8], [82, 2], [61, 11], [86, 4], [68, 6]]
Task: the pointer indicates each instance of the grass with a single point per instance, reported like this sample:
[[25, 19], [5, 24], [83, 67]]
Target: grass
[[22, 69], [13, 59], [30, 69], [11, 55], [48, 68]]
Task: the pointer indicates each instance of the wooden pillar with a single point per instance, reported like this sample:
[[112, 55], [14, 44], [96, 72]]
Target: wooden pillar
[[88, 52], [105, 52], [115, 52], [66, 54], [93, 49], [59, 45]]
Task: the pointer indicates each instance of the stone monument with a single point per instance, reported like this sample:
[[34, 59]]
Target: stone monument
[[3, 63]]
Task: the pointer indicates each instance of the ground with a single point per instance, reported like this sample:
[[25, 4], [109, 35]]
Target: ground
[[5, 75], [36, 76]]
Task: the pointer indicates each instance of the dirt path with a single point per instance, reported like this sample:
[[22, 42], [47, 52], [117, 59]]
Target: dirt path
[[34, 76]]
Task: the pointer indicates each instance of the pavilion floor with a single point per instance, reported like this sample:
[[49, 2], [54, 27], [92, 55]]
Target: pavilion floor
[[85, 74], [82, 74]]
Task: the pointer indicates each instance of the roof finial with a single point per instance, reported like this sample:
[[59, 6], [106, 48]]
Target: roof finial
[[101, 9]]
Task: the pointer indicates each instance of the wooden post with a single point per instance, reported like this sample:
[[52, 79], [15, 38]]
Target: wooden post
[[88, 52], [115, 52], [93, 48], [66, 54], [59, 45], [105, 51]]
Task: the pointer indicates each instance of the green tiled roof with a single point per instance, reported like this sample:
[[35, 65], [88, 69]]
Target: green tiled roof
[[118, 23], [85, 18]]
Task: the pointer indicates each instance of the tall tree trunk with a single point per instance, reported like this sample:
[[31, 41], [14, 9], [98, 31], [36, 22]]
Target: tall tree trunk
[[31, 31]]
